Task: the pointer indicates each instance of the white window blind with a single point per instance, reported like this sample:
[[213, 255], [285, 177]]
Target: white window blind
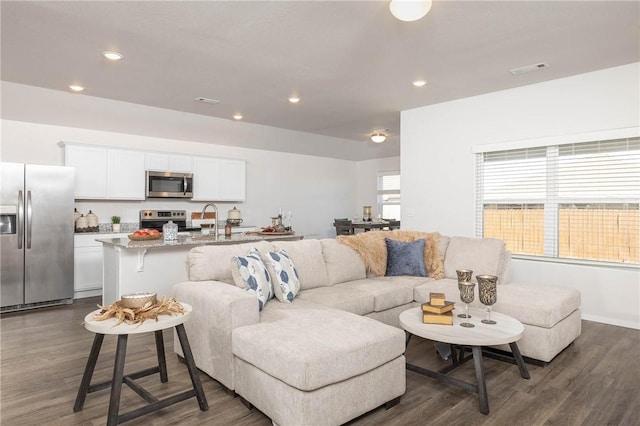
[[389, 195], [577, 201]]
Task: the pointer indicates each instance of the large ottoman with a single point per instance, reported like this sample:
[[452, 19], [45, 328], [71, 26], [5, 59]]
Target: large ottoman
[[313, 357]]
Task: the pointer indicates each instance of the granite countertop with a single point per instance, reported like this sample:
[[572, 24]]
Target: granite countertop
[[194, 240]]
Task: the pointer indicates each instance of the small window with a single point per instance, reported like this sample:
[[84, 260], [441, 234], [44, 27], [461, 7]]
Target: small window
[[389, 195]]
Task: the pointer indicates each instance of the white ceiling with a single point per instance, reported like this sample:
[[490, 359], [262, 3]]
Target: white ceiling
[[351, 62]]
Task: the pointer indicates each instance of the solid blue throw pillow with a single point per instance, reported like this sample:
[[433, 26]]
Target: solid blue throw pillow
[[405, 258]]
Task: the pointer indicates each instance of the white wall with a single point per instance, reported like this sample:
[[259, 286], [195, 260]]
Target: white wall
[[438, 175], [314, 189]]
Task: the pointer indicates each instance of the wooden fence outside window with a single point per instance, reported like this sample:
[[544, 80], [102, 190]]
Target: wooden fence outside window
[[594, 234]]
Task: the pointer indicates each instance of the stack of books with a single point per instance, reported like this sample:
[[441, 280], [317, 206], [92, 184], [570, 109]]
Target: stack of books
[[437, 310]]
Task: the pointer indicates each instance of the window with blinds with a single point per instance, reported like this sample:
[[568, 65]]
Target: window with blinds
[[389, 195], [575, 201]]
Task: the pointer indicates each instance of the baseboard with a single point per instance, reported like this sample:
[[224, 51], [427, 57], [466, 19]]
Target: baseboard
[[611, 321]]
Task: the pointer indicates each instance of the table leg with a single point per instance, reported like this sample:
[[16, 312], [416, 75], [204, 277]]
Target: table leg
[[162, 362], [482, 387], [116, 382], [191, 366], [88, 372], [524, 372]]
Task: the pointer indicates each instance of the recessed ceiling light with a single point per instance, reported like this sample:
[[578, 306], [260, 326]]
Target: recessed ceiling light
[[237, 116], [294, 99], [76, 87], [112, 56], [419, 83]]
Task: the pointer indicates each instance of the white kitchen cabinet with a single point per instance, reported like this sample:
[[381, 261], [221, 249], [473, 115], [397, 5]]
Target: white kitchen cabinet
[[103, 173], [125, 175], [160, 162], [90, 164], [218, 179], [87, 266], [232, 180]]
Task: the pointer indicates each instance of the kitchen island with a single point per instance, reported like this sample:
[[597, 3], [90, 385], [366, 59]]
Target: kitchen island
[[155, 265]]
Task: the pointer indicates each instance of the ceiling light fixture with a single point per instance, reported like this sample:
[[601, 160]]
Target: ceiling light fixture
[[237, 116], [76, 87], [378, 136], [112, 56], [419, 83], [409, 10], [294, 99]]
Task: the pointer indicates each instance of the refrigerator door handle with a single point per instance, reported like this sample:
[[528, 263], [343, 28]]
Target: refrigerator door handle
[[29, 219], [20, 224]]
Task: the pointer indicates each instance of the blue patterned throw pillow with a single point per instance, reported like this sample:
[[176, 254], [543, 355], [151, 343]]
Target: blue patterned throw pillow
[[286, 281], [405, 258], [250, 272]]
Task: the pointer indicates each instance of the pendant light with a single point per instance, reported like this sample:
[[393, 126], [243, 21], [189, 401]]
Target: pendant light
[[409, 10]]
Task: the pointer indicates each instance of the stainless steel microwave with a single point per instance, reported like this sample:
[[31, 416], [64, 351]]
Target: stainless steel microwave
[[169, 185]]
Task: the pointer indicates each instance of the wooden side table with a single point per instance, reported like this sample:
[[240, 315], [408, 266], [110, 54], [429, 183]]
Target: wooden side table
[[508, 330], [101, 328]]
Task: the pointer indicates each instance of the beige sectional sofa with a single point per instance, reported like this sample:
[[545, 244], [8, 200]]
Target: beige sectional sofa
[[337, 351]]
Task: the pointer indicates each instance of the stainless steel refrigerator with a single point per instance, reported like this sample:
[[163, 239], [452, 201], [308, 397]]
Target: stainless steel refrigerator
[[36, 235]]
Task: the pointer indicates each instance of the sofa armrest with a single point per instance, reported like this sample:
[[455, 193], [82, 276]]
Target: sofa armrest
[[218, 308]]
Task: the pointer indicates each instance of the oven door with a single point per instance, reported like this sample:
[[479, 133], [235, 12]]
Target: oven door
[[169, 185]]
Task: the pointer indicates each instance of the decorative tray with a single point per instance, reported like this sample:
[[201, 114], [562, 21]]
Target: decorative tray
[[144, 237]]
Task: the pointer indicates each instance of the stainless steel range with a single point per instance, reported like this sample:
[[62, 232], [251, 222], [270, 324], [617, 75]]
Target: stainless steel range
[[155, 219]]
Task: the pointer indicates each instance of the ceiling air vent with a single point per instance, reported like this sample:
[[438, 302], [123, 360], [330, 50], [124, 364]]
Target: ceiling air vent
[[207, 100], [529, 68]]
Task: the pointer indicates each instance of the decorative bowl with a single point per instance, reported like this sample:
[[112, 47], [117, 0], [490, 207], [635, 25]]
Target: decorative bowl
[[137, 300]]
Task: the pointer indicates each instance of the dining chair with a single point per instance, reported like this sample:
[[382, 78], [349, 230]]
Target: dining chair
[[343, 226]]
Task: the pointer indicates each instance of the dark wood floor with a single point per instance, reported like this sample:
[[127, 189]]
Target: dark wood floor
[[595, 381]]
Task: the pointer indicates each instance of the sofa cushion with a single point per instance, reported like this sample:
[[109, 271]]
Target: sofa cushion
[[340, 297], [343, 263], [317, 347], [286, 283], [405, 258], [250, 273], [212, 262], [307, 256], [372, 248], [481, 255], [387, 292]]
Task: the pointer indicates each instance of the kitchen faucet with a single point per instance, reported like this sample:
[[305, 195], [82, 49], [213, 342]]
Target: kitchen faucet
[[215, 209]]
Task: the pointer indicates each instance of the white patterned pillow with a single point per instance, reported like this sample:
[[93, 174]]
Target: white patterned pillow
[[250, 273], [286, 281]]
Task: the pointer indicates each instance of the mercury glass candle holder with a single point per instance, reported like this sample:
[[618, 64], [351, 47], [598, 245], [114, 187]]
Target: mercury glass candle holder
[[487, 292], [464, 275], [466, 295]]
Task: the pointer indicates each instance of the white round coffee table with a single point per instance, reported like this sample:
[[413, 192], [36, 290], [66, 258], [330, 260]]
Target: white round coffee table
[[507, 330], [102, 328]]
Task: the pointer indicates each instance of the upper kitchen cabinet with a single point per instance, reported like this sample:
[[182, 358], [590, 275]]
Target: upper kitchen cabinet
[[105, 173], [90, 164], [218, 179], [125, 177], [159, 162]]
